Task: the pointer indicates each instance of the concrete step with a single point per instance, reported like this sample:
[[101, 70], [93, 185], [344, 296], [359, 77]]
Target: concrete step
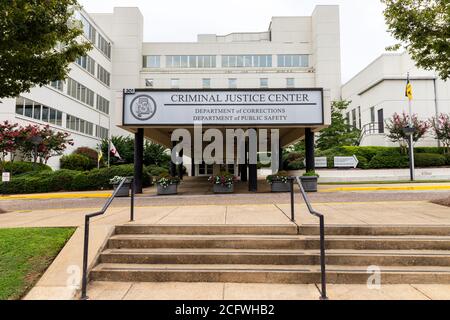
[[288, 229], [142, 241], [276, 257], [378, 230], [265, 274]]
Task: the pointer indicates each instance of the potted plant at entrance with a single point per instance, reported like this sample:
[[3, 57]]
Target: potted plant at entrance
[[124, 190], [167, 185], [309, 181], [223, 183], [279, 182]]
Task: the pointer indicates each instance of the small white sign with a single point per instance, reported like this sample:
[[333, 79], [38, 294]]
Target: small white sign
[[320, 162], [6, 176], [346, 162]]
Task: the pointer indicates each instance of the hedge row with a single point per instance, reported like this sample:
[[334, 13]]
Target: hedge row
[[69, 180], [20, 167]]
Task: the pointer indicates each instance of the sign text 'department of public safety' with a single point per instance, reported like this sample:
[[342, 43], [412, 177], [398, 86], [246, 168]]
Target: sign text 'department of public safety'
[[223, 107]]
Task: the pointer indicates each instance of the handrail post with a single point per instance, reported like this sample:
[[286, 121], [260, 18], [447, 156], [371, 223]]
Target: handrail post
[[322, 260], [133, 188], [291, 181], [85, 259]]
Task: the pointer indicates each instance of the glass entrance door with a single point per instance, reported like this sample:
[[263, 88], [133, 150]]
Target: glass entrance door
[[205, 170]]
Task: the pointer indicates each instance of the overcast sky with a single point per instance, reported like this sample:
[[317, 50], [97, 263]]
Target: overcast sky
[[363, 31]]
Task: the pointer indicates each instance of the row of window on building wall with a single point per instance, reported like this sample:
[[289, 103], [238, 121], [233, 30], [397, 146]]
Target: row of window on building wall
[[228, 61], [82, 93], [207, 83], [37, 111], [375, 125], [94, 36], [89, 64]]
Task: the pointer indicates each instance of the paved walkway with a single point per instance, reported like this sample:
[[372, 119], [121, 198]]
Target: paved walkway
[[62, 278]]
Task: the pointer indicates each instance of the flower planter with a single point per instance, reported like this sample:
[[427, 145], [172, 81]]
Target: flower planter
[[309, 184], [279, 186], [218, 188], [124, 191], [170, 190]]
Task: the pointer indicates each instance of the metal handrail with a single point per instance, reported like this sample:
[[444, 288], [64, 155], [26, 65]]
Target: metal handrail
[[87, 219], [322, 232]]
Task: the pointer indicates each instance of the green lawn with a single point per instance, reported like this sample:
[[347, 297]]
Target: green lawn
[[24, 256]]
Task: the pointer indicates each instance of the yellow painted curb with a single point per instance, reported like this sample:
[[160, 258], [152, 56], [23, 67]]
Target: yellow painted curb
[[56, 196], [401, 188]]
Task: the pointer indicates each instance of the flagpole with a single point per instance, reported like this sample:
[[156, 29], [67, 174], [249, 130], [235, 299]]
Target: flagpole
[[411, 140]]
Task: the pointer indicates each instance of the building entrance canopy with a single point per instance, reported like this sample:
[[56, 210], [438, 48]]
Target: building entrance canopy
[[256, 107]]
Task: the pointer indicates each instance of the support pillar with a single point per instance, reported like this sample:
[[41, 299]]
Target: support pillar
[[172, 165], [280, 160], [252, 174], [138, 159], [244, 167], [193, 163], [309, 150], [181, 165]]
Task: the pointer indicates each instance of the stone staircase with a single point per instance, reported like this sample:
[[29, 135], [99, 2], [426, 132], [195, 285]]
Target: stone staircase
[[274, 254]]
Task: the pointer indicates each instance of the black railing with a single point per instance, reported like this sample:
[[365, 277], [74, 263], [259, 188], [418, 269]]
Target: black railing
[[369, 129], [87, 218], [321, 228]]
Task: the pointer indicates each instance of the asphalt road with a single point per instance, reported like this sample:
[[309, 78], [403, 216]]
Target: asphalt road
[[236, 199]]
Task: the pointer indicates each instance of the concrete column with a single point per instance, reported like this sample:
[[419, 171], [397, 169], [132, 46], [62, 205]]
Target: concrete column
[[173, 166], [138, 159], [252, 176], [180, 166], [309, 150], [193, 163]]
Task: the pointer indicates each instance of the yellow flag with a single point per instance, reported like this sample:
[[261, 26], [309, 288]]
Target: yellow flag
[[409, 90], [100, 156]]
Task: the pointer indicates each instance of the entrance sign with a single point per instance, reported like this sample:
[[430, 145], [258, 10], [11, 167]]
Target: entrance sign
[[6, 177], [346, 162], [289, 107]]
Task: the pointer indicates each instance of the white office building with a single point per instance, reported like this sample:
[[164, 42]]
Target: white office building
[[294, 52], [378, 91]]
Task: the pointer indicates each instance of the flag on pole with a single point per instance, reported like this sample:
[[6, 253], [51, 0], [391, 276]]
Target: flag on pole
[[100, 155], [409, 90], [114, 151]]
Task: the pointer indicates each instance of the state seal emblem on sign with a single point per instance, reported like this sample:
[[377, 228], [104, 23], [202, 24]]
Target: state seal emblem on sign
[[143, 107]]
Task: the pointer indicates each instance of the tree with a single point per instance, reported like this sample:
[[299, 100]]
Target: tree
[[398, 123], [39, 39], [441, 127], [8, 140], [339, 133], [155, 154], [423, 28]]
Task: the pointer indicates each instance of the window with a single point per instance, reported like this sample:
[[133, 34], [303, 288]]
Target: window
[[264, 82], [149, 83], [232, 83], [101, 133], [293, 60], [102, 104], [247, 61], [206, 83], [175, 83], [354, 118], [58, 85], [86, 63], [79, 125], [152, 62], [104, 46], [80, 92], [359, 118], [190, 61], [103, 75], [347, 118], [290, 83], [372, 115], [37, 111], [89, 31]]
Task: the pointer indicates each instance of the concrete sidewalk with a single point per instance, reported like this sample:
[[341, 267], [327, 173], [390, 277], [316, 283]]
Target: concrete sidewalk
[[61, 280]]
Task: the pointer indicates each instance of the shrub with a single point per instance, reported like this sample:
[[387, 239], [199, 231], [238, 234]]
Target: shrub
[[156, 171], [447, 158], [21, 167], [62, 180], [381, 161], [429, 160], [295, 165], [91, 154], [99, 178], [76, 162]]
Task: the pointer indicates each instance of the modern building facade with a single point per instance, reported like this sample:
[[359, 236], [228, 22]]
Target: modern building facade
[[378, 91], [81, 105], [294, 53]]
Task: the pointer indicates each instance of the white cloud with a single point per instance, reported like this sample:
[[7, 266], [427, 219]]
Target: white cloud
[[363, 31]]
